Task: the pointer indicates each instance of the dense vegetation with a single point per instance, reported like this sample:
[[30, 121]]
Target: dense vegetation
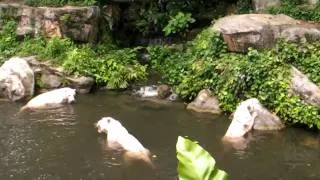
[[204, 63], [298, 10], [115, 68]]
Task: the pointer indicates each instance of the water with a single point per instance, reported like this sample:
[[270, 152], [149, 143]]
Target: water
[[63, 144]]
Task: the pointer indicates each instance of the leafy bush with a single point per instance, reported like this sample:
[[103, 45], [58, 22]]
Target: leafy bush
[[196, 163], [297, 11], [244, 6], [115, 69], [178, 23], [32, 46], [233, 77], [8, 41]]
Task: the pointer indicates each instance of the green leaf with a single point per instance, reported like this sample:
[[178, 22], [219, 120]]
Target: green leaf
[[195, 163]]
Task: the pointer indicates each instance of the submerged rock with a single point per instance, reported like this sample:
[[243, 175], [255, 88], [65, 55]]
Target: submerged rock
[[82, 84], [251, 114], [163, 91], [16, 80], [260, 31], [205, 102], [303, 87]]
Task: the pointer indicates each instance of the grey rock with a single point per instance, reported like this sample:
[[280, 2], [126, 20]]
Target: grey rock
[[205, 102], [303, 87], [261, 31]]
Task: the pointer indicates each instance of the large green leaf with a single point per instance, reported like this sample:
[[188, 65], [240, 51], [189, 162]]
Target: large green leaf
[[195, 163]]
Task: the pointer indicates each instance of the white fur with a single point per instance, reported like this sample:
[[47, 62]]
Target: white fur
[[52, 99], [243, 119], [119, 138]]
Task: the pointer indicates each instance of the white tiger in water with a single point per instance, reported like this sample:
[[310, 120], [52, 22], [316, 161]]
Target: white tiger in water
[[51, 99], [118, 138]]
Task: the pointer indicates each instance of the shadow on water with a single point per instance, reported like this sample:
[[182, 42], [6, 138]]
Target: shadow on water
[[63, 143]]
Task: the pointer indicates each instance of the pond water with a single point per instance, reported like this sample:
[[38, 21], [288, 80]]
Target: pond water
[[63, 143]]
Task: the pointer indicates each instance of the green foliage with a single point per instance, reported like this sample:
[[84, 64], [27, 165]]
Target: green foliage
[[233, 78], [297, 11], [57, 3], [178, 23], [244, 6], [147, 17], [116, 69], [56, 48], [32, 46], [196, 163], [152, 16], [8, 40]]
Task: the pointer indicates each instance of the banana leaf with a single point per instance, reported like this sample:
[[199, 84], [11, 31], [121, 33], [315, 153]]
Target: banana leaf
[[195, 163]]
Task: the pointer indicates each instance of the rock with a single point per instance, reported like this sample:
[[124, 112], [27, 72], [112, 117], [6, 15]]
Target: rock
[[50, 81], [76, 23], [260, 5], [260, 31], [163, 91], [16, 79], [51, 77], [173, 97], [205, 102], [251, 114], [302, 86], [82, 84]]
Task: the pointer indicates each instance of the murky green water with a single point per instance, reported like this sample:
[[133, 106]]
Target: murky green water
[[63, 144]]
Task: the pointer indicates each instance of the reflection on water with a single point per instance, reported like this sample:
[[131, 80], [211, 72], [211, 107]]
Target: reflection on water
[[63, 143]]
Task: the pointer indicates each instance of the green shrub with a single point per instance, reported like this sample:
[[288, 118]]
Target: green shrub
[[116, 69], [178, 23], [32, 46], [298, 11], [8, 41], [244, 6], [233, 77], [56, 48]]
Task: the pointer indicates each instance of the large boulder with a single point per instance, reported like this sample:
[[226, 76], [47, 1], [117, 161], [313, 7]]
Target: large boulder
[[16, 80], [205, 102], [303, 87], [76, 23], [260, 31], [251, 114]]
